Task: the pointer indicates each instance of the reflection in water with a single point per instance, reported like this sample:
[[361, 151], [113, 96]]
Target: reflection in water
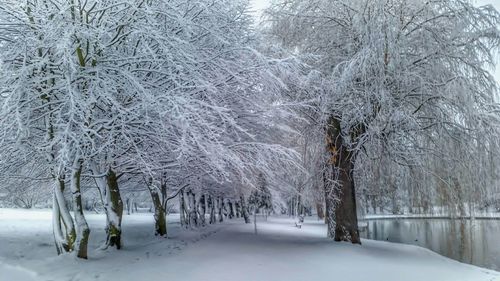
[[476, 242]]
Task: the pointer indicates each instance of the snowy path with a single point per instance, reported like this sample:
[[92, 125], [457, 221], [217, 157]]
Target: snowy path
[[283, 252], [230, 251]]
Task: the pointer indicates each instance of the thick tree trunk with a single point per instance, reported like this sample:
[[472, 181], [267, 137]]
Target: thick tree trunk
[[82, 228], [114, 212], [62, 222], [244, 210], [113, 205], [346, 220], [345, 212], [159, 210], [159, 213]]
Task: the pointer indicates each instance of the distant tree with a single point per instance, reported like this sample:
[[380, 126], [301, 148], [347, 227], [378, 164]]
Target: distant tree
[[260, 199]]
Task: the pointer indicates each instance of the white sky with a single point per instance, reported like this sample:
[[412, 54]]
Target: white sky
[[259, 5]]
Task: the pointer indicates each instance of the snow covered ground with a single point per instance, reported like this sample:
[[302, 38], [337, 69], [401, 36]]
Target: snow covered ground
[[229, 251]]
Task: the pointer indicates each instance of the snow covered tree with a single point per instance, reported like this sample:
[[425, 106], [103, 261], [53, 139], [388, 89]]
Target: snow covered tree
[[395, 73], [126, 89], [260, 198]]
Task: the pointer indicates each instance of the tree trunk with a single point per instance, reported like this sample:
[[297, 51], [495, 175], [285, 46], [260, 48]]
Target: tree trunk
[[128, 206], [211, 203], [182, 208], [319, 211], [330, 210], [395, 206], [231, 209], [62, 222], [255, 220], [346, 220], [345, 212], [244, 210], [193, 217], [159, 212], [202, 210], [114, 212], [300, 208], [113, 205], [220, 206], [237, 208], [82, 228]]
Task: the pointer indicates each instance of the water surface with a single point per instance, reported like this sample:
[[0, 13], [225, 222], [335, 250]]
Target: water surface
[[475, 242]]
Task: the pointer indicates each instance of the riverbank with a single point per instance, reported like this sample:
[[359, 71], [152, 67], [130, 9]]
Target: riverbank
[[228, 251]]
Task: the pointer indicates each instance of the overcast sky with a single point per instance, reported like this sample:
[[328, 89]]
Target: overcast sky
[[258, 5]]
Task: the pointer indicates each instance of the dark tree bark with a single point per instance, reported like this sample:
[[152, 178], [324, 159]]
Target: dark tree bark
[[159, 211], [115, 211], [231, 209], [237, 208], [342, 162], [211, 204], [113, 205], [220, 206], [202, 207], [244, 210]]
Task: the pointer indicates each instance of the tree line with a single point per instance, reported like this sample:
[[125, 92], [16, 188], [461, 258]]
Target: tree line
[[333, 105]]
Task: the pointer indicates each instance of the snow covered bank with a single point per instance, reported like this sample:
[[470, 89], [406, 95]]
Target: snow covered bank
[[230, 251]]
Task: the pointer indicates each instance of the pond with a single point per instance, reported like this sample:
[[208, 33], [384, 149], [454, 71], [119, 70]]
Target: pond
[[475, 242]]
